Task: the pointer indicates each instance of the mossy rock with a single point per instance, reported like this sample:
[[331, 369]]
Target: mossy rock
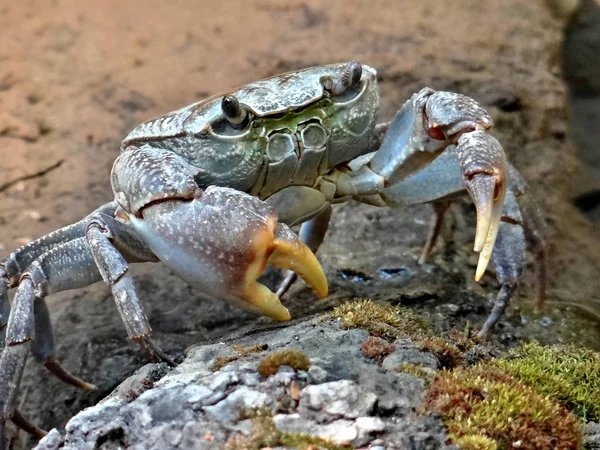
[[565, 373], [484, 408], [271, 363], [388, 322]]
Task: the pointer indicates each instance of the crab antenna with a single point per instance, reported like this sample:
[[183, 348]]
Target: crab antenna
[[232, 110]]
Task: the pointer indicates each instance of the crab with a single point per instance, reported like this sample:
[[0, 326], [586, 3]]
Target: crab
[[212, 189]]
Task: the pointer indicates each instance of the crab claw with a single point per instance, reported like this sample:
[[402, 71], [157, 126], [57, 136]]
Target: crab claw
[[221, 241], [484, 167], [284, 250]]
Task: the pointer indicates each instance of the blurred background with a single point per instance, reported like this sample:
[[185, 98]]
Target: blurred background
[[76, 76], [581, 69]]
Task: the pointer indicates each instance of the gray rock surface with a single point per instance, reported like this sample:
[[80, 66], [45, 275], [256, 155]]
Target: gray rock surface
[[343, 397], [591, 436]]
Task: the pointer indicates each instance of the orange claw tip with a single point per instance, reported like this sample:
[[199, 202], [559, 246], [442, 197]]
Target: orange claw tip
[[294, 255], [265, 301]]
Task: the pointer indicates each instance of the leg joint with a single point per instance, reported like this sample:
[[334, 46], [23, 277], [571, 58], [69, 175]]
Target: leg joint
[[110, 262], [97, 223], [10, 271], [38, 278]]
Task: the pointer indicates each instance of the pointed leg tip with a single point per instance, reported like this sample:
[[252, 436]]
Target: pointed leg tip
[[483, 334], [23, 423], [65, 376]]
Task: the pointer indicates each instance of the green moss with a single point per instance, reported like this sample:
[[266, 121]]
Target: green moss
[[415, 370], [485, 402], [381, 320], [476, 442], [293, 358], [241, 351], [565, 373], [266, 435]]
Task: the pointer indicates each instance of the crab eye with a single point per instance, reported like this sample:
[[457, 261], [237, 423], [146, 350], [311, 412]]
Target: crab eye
[[351, 74], [346, 85], [233, 111]]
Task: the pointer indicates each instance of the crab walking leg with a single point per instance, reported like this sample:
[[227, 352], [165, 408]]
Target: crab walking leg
[[103, 236], [440, 210], [66, 266], [4, 305], [535, 236], [43, 350], [509, 259], [13, 266], [312, 233]]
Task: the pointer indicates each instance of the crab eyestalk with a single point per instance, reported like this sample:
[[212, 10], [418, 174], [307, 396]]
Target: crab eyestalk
[[350, 76], [233, 111], [484, 166]]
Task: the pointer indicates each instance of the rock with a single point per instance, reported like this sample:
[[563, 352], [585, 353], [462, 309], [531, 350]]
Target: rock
[[591, 436], [349, 400], [338, 399], [410, 355]]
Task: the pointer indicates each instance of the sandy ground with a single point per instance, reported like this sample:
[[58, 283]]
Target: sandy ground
[[75, 77]]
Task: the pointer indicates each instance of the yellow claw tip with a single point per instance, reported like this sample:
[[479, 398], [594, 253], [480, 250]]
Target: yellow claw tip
[[298, 257], [261, 297], [323, 292], [478, 275]]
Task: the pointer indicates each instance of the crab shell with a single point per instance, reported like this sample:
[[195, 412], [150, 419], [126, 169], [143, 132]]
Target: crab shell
[[285, 104]]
